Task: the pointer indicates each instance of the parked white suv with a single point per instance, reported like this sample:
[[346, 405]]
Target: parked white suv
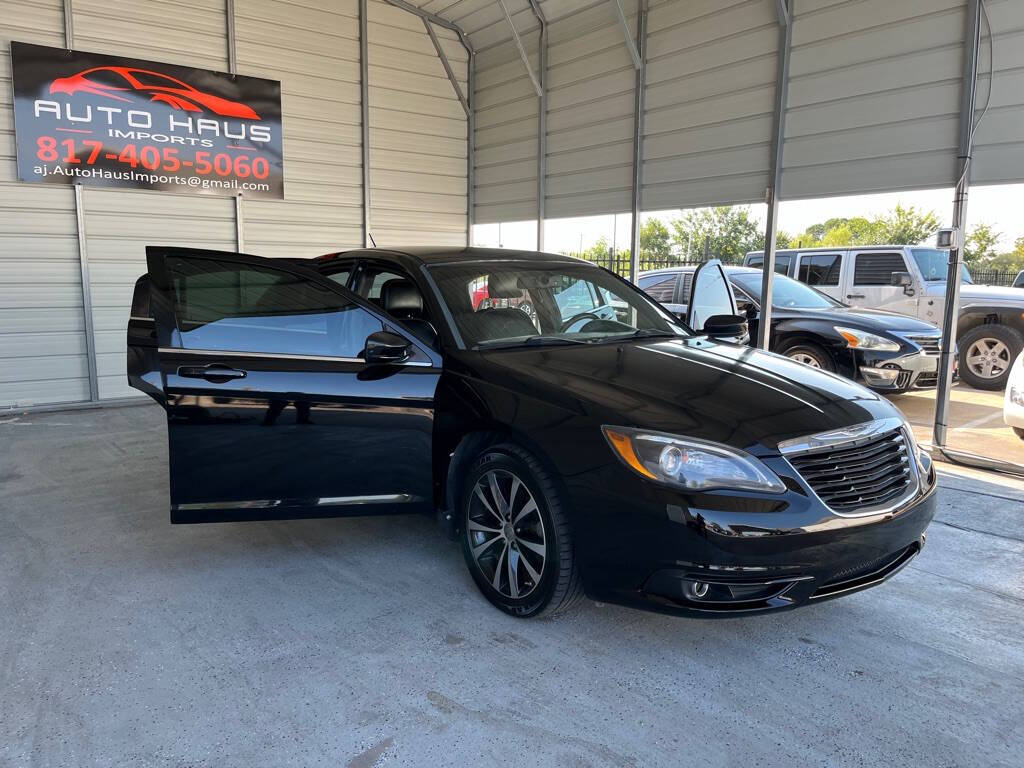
[[911, 280]]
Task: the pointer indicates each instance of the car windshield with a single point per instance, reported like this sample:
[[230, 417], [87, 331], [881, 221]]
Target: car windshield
[[523, 303], [787, 293], [933, 264]]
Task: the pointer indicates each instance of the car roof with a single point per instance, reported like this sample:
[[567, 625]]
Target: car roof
[[730, 269], [423, 254]]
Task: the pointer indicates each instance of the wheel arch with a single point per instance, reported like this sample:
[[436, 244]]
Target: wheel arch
[[973, 317]]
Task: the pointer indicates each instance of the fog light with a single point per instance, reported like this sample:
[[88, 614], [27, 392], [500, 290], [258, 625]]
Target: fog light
[[696, 590]]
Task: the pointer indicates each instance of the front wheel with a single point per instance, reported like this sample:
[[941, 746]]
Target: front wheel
[[986, 354], [515, 534], [810, 354]]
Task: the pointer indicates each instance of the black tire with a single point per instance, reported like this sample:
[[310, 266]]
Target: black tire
[[559, 586], [802, 351], [1002, 338]]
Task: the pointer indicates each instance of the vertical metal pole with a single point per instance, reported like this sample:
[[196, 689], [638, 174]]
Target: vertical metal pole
[[784, 9], [364, 103], [229, 13], [542, 124], [83, 248], [951, 311], [470, 145], [638, 137]]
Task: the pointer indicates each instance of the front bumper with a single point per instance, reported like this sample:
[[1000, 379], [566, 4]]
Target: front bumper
[[725, 558], [897, 371]]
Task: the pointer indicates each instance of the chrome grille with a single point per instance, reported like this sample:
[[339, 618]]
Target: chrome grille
[[859, 476], [930, 345]]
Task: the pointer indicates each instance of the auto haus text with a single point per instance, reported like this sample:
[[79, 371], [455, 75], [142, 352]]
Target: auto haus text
[[139, 124]]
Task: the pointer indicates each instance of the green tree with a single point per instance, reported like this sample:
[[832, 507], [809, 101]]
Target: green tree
[[980, 245], [655, 240], [730, 232], [906, 226], [598, 252]]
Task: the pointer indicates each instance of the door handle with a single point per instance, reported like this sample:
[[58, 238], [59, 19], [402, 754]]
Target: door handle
[[855, 295], [214, 372]]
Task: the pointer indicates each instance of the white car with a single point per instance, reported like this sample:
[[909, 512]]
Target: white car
[[1013, 401]]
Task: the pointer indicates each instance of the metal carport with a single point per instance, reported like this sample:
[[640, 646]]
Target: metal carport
[[411, 120]]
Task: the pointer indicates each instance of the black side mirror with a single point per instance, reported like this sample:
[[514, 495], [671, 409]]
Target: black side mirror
[[725, 326], [386, 347], [902, 280]]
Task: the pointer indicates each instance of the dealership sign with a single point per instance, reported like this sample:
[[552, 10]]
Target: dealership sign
[[114, 122]]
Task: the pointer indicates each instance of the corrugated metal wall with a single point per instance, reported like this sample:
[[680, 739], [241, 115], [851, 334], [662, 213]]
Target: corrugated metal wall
[[999, 142], [418, 190], [874, 96], [314, 51], [42, 339], [121, 223]]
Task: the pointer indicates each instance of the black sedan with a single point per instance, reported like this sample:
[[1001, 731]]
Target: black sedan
[[885, 351], [574, 435]]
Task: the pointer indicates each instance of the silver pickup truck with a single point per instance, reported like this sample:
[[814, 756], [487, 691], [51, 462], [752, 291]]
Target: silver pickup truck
[[911, 280]]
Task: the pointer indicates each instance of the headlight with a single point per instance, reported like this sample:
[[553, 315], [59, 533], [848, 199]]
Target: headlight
[[864, 340], [695, 465]]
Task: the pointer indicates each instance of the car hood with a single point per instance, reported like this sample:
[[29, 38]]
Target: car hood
[[867, 319], [981, 294], [722, 392]]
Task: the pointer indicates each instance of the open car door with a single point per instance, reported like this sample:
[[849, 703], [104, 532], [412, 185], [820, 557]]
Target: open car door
[[712, 305], [273, 411]]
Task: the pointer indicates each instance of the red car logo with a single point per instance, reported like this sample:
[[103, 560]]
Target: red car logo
[[110, 81]]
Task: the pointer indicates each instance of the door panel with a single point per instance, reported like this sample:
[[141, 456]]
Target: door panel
[[871, 283], [271, 411]]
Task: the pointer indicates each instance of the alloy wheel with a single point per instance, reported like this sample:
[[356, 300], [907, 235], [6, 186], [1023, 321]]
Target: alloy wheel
[[805, 358], [506, 534], [988, 358]]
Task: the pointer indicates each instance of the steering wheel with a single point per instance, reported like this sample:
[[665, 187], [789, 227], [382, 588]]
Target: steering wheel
[[568, 324]]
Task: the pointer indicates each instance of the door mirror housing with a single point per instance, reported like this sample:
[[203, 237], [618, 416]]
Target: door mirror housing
[[726, 326], [903, 280], [386, 347]]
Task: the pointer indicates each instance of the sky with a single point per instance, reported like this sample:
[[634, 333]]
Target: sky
[[1000, 206]]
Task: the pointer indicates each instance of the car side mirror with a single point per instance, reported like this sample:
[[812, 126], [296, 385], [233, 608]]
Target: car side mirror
[[746, 308], [903, 280], [725, 326], [386, 347]]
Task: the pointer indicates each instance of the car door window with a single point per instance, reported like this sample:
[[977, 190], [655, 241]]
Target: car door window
[[820, 268], [876, 268], [782, 262], [223, 305], [338, 273], [660, 287]]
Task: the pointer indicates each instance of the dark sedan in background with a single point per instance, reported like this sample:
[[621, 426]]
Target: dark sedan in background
[[885, 351]]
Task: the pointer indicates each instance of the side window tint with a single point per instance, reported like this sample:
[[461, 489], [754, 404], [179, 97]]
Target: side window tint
[[820, 269], [378, 284], [661, 287], [782, 262], [876, 268], [140, 298], [340, 277], [221, 305]]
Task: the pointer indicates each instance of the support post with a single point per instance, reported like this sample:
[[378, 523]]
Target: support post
[[542, 124], [785, 17], [229, 12], [638, 137], [364, 106], [951, 311], [83, 248]]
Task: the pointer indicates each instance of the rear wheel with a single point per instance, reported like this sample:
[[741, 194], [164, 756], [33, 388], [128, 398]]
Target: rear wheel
[[515, 534], [986, 354], [810, 354]]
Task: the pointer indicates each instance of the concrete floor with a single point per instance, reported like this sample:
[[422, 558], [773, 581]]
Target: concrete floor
[[976, 421], [363, 642]]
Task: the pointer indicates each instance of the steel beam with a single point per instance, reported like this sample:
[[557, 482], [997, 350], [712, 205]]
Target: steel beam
[[229, 13], [951, 310], [638, 138], [634, 53], [775, 171], [542, 125], [364, 108], [522, 50], [83, 247], [432, 18], [447, 67]]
